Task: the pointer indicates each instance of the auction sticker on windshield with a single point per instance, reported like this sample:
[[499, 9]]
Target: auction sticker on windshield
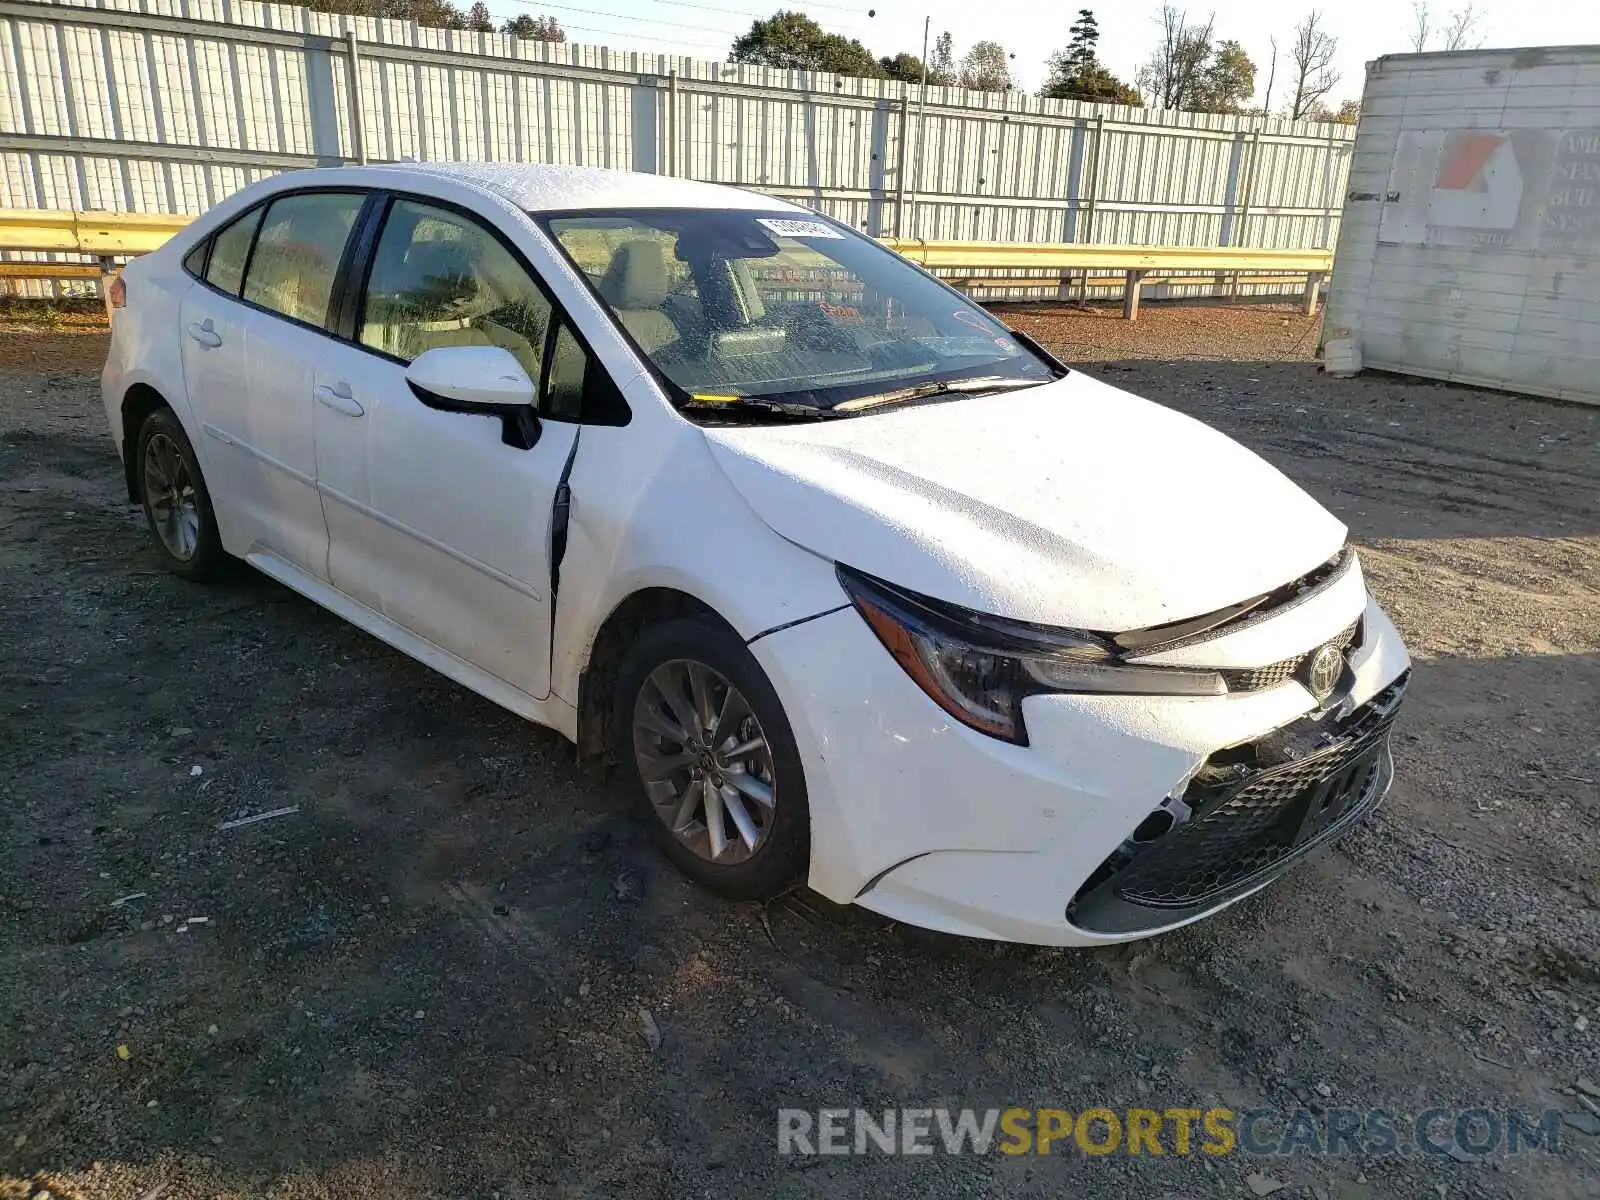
[[798, 229]]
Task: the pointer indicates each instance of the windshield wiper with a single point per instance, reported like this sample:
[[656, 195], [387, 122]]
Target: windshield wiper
[[755, 406], [949, 387]]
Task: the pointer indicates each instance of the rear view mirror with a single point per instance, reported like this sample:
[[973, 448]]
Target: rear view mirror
[[735, 242], [486, 379]]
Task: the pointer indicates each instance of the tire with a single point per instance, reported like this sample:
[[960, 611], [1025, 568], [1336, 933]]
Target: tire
[[177, 505], [678, 652]]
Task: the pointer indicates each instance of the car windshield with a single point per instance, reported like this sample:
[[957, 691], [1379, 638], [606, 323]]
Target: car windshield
[[750, 309]]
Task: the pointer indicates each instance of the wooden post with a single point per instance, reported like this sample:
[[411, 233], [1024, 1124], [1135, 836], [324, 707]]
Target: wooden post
[[1088, 198], [108, 272], [1247, 192], [358, 123], [1133, 284], [1313, 287], [900, 168], [672, 123]]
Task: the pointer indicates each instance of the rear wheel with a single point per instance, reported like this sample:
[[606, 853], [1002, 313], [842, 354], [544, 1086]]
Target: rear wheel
[[719, 778], [176, 503]]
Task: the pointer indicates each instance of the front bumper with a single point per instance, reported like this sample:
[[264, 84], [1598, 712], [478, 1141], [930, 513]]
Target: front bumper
[[1253, 812], [921, 819]]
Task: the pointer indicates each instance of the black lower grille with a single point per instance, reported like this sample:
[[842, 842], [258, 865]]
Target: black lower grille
[[1254, 809], [1255, 825]]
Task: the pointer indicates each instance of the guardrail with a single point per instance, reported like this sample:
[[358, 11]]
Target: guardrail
[[109, 236], [99, 233], [106, 235], [1135, 262]]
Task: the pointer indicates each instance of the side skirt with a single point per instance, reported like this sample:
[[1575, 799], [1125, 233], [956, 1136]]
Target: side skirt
[[553, 712]]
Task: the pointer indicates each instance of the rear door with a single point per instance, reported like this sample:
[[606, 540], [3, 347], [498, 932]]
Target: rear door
[[440, 520], [252, 340], [213, 328]]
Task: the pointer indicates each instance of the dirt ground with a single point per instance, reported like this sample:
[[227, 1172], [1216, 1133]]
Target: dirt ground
[[428, 980]]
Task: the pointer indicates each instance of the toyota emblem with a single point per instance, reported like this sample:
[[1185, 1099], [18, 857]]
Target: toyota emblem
[[1323, 671]]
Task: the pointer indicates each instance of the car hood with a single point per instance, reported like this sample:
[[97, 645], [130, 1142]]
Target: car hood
[[1072, 503]]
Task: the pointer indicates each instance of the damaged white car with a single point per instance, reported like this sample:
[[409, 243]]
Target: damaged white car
[[862, 588]]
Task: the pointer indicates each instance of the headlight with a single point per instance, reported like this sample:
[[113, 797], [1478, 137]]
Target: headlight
[[979, 667]]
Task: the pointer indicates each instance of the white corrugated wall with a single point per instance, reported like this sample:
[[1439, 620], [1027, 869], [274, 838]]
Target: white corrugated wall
[[169, 105]]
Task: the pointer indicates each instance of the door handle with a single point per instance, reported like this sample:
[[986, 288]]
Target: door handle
[[339, 399], [205, 335]]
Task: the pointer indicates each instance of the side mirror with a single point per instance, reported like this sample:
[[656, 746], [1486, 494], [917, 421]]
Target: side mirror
[[481, 379]]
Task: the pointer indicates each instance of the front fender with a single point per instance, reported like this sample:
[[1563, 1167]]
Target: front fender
[[651, 509]]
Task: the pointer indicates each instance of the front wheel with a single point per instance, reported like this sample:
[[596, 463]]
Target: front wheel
[[719, 777], [176, 503]]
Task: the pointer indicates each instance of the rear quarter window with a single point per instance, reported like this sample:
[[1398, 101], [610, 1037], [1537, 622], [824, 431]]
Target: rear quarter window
[[230, 248], [194, 262]]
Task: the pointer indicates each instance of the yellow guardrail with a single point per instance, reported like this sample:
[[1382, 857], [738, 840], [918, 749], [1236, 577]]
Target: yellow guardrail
[[1073, 256], [1135, 262], [79, 232], [48, 270], [108, 235]]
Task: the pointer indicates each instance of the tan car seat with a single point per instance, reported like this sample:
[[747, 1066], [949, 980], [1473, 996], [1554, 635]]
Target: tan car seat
[[635, 286]]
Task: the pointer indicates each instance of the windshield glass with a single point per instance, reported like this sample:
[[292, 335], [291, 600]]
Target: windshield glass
[[774, 307]]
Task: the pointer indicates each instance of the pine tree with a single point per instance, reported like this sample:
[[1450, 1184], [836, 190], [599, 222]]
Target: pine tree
[[1076, 73], [1083, 49]]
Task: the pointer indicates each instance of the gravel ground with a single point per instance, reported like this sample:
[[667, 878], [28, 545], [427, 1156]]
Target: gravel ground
[[1244, 333], [429, 979]]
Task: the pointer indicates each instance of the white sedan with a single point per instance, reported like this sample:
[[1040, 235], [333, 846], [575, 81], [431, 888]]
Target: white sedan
[[861, 588]]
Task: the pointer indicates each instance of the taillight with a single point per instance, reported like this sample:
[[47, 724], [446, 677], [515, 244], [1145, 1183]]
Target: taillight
[[116, 292]]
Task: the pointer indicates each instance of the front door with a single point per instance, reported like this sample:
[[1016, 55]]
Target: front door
[[433, 519]]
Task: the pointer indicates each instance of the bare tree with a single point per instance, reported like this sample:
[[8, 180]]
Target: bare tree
[[1465, 29], [1172, 75], [1272, 75], [1421, 25], [1312, 55]]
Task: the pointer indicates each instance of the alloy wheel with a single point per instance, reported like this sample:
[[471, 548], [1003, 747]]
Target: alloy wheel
[[170, 492], [705, 761]]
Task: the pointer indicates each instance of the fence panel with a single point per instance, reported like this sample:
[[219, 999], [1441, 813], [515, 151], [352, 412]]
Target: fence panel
[[169, 105]]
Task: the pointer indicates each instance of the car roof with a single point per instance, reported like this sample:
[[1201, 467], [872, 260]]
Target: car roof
[[539, 187]]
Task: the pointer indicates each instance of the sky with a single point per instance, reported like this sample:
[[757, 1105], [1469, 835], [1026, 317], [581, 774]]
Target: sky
[[1031, 29]]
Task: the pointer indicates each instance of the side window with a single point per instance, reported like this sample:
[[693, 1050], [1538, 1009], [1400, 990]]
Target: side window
[[229, 249], [578, 387], [441, 279], [194, 262], [564, 390], [297, 253]]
